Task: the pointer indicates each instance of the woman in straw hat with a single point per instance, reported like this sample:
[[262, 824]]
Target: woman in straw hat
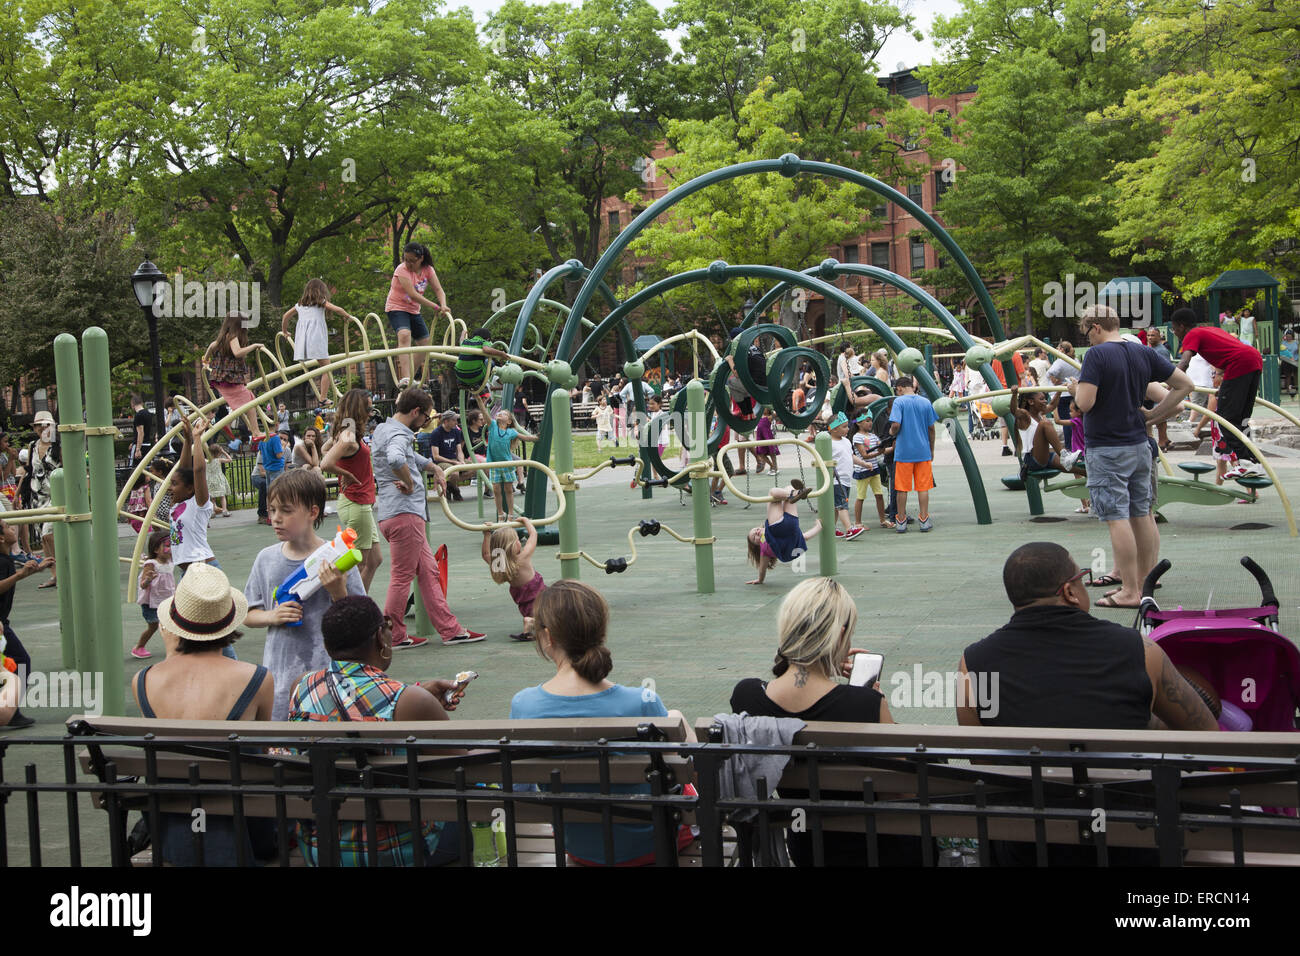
[[197, 682]]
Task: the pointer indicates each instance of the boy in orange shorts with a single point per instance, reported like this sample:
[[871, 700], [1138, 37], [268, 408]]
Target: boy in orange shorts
[[912, 419]]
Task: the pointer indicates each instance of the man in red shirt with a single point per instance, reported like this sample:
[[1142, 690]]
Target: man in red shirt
[[1241, 365]]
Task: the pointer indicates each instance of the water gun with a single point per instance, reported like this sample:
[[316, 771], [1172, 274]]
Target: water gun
[[305, 582]]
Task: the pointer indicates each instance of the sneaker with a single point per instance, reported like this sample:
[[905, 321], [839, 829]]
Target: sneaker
[[521, 636], [265, 521], [469, 637], [926, 524], [18, 722], [839, 533], [140, 653], [1069, 459], [1253, 469], [409, 642], [1236, 471], [801, 491], [403, 383], [901, 527], [1006, 452], [854, 532]]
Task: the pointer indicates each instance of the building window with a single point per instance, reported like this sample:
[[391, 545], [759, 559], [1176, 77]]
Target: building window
[[850, 254], [909, 145], [880, 212], [613, 222], [638, 274], [918, 255], [945, 118], [940, 185], [914, 192], [880, 255]]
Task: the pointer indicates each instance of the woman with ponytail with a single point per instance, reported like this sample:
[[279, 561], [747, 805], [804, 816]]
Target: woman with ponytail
[[412, 277], [570, 620]]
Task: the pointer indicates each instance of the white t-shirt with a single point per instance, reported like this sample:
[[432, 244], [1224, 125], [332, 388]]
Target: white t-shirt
[[1201, 372], [842, 452], [1040, 367], [190, 532]]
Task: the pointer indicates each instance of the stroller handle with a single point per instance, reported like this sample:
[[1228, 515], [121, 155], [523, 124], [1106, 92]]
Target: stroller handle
[[1267, 597], [1149, 585]]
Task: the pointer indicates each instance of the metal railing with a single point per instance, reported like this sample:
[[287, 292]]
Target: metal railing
[[951, 792]]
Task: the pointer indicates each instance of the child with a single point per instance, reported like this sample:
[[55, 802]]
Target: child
[[604, 422], [476, 446], [192, 508], [218, 487], [348, 456], [866, 472], [471, 370], [765, 455], [228, 372], [9, 578], [842, 453], [157, 582], [912, 419], [1040, 442], [311, 338], [296, 504], [499, 436], [512, 563], [1224, 456], [780, 538]]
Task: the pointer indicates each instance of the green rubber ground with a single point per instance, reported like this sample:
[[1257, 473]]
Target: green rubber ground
[[921, 599]]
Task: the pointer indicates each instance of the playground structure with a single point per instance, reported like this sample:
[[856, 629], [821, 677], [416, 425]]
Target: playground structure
[[90, 603]]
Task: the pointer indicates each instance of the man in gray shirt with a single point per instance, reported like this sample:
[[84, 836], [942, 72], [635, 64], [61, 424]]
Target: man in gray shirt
[[402, 507]]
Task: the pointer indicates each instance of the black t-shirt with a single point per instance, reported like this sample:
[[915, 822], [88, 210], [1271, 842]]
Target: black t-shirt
[[858, 705], [1121, 371], [6, 599], [1058, 666], [446, 441], [143, 419]]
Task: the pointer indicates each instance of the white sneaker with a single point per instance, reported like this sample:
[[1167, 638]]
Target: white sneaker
[[1236, 471], [1069, 459], [1254, 470]]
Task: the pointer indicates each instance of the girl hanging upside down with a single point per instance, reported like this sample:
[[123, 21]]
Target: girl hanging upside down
[[780, 538], [1040, 442]]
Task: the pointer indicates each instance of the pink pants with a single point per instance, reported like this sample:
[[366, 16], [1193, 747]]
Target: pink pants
[[235, 394], [410, 557]]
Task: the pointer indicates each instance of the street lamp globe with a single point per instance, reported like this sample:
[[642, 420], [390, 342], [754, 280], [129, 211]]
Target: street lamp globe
[[146, 277]]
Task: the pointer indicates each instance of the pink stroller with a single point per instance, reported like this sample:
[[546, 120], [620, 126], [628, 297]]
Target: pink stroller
[[1235, 657]]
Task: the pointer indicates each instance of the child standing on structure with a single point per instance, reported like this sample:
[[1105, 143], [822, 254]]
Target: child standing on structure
[[499, 436], [311, 339]]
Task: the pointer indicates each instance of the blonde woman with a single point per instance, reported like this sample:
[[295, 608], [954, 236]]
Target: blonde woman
[[815, 633]]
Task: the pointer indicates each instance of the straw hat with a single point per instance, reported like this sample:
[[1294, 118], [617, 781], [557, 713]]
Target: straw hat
[[43, 418], [205, 607]]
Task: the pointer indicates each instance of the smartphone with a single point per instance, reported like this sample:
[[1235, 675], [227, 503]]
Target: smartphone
[[867, 669], [463, 678]]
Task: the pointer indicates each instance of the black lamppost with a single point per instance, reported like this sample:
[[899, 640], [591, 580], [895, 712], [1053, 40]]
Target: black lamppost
[[144, 281]]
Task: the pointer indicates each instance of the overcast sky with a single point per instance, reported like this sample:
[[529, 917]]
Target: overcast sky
[[899, 48]]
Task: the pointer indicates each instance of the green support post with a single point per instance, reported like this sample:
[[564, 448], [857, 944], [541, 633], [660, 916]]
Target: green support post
[[563, 448], [79, 581], [698, 435], [107, 636], [826, 508], [67, 630], [928, 352]]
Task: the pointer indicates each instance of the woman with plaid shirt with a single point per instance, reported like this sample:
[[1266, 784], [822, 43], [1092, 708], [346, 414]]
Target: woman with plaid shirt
[[359, 640]]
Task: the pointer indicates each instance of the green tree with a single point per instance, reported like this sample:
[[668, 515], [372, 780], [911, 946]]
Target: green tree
[[1218, 189], [597, 74]]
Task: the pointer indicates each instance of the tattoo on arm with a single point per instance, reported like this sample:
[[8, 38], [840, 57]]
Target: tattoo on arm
[[1191, 711], [801, 675]]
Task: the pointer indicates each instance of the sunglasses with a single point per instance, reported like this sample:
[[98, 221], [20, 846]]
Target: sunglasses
[[1068, 581]]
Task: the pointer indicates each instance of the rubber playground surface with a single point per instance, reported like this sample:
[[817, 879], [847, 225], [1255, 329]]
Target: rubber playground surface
[[921, 598]]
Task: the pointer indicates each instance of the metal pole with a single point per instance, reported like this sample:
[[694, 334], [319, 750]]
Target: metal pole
[[156, 358], [67, 629], [826, 509], [107, 637], [698, 436], [80, 581], [563, 446]]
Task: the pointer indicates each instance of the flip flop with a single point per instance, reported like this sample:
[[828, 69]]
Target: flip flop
[[1105, 581], [1108, 601], [47, 584]]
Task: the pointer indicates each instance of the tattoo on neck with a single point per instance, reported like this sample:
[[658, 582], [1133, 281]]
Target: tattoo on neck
[[801, 675]]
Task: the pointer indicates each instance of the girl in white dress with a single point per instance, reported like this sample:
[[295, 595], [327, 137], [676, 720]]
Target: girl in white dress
[[311, 335]]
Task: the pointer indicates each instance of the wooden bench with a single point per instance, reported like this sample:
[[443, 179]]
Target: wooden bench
[[581, 414], [291, 786], [949, 792]]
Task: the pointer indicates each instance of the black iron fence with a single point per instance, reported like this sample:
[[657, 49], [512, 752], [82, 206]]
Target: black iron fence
[[1155, 806]]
